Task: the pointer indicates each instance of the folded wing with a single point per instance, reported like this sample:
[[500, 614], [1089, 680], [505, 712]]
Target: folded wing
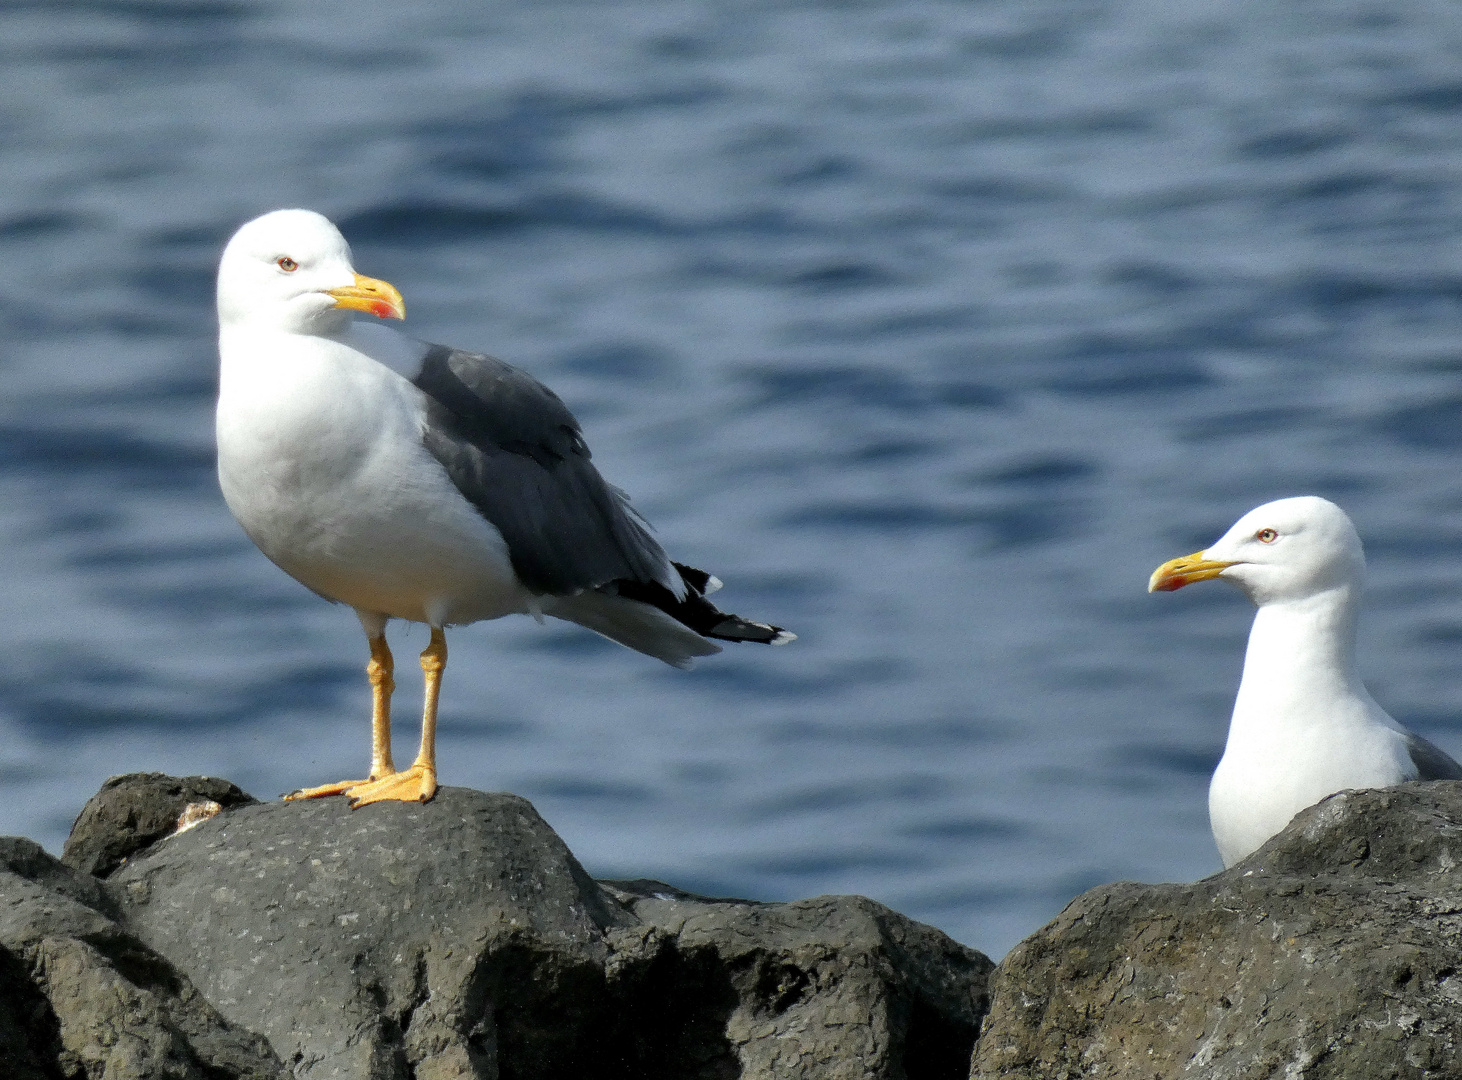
[[516, 453]]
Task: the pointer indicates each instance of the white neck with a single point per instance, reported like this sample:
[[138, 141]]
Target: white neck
[[1300, 661], [301, 318]]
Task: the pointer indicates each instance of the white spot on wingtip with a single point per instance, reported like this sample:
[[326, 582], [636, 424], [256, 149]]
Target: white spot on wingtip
[[713, 584], [783, 637]]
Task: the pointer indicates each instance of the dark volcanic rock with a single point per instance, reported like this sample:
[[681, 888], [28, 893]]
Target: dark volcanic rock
[[834, 987], [79, 997], [439, 937], [132, 811], [462, 939], [1332, 953]]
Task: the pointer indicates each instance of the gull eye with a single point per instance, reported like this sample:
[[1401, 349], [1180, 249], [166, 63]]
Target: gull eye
[[288, 265], [1266, 536]]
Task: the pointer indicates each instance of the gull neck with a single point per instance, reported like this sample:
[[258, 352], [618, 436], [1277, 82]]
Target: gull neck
[[1300, 658]]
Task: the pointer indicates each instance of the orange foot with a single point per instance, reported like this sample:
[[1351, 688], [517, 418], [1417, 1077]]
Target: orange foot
[[329, 789], [416, 784]]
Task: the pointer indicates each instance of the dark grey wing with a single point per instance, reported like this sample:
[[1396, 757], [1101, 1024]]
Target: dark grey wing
[[1432, 763], [514, 450]]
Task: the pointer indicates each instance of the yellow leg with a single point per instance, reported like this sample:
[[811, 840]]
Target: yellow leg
[[379, 671], [418, 783]]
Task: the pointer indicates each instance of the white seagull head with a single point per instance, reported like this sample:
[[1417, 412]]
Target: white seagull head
[[1286, 550], [290, 270]]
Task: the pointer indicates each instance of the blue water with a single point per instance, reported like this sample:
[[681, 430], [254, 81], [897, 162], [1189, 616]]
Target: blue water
[[931, 328]]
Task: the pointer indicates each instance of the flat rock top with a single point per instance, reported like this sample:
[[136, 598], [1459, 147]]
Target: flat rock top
[[466, 863]]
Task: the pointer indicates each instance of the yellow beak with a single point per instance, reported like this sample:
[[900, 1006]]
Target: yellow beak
[[379, 298], [1175, 573]]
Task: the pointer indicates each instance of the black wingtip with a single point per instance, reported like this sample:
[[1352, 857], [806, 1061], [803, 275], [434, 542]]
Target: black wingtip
[[698, 613], [735, 628], [698, 580]]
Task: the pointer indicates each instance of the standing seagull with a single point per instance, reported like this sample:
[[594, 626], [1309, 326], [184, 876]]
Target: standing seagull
[[1304, 726], [464, 492]]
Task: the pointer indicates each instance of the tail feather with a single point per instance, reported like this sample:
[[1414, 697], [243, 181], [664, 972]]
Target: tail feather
[[696, 612], [633, 624], [647, 617]]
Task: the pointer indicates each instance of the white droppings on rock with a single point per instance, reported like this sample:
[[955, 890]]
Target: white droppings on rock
[[195, 813]]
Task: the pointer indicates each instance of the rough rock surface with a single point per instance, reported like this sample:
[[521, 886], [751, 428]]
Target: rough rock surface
[[132, 811], [836, 986], [1332, 953], [80, 997], [462, 939]]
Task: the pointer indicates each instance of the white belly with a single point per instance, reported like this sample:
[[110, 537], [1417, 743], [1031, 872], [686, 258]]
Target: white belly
[[321, 461]]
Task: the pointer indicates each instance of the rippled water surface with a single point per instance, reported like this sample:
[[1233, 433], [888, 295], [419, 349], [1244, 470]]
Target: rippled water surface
[[931, 328]]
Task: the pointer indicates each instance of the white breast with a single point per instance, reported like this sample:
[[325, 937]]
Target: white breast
[[321, 460], [1265, 779], [1303, 726]]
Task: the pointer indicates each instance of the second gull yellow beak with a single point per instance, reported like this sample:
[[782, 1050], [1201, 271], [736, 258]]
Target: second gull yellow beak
[[379, 298], [1175, 573]]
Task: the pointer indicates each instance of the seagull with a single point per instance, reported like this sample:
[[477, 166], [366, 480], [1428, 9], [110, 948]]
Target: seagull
[[421, 482], [1304, 726]]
